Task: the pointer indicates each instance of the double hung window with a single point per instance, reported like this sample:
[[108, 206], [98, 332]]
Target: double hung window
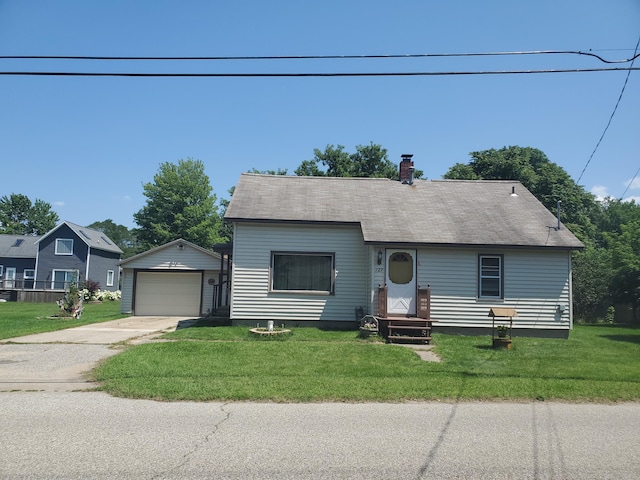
[[490, 276], [110, 276]]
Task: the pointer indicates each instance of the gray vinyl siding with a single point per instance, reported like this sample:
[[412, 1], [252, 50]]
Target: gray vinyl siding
[[47, 260], [252, 300], [100, 262], [171, 259], [535, 284], [20, 264]]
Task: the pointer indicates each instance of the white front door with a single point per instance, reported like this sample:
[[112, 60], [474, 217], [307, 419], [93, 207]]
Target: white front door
[[401, 282], [9, 277]]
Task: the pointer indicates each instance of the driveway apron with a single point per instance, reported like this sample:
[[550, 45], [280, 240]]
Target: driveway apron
[[60, 360]]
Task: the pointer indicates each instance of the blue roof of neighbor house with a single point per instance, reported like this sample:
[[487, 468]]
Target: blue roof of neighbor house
[[93, 238], [18, 246], [427, 212]]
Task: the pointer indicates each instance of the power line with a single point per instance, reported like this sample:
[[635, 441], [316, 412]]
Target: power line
[[631, 182], [317, 57], [320, 74], [635, 55]]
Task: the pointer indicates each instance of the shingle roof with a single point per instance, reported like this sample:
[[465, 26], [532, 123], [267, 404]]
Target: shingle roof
[[18, 246], [93, 238], [442, 212]]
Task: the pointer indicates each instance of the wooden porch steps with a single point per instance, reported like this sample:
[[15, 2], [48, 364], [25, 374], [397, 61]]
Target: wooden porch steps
[[408, 330]]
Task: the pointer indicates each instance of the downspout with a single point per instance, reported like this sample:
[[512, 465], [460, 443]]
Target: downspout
[[570, 290], [35, 273], [86, 271]]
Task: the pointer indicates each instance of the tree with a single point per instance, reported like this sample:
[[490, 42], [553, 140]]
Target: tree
[[625, 255], [121, 235], [592, 279], [19, 216], [226, 228], [180, 204], [280, 171], [368, 161]]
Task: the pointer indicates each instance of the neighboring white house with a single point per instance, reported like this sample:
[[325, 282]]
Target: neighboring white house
[[310, 250], [175, 279]]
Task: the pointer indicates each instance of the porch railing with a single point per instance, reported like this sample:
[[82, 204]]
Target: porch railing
[[30, 284], [423, 307]]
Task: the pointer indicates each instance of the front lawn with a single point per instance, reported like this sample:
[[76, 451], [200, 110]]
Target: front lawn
[[597, 363], [21, 318]]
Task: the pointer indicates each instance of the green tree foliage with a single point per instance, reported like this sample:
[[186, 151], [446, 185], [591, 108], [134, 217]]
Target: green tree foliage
[[625, 256], [546, 180], [279, 171], [121, 235], [18, 215], [226, 228], [592, 282], [180, 204], [367, 161]]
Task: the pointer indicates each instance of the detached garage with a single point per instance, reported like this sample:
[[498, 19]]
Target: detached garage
[[175, 279]]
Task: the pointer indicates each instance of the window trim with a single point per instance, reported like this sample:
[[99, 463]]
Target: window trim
[[110, 281], [1, 270], [272, 275], [58, 241], [500, 258]]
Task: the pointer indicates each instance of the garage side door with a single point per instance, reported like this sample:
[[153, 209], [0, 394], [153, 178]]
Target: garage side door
[[168, 293]]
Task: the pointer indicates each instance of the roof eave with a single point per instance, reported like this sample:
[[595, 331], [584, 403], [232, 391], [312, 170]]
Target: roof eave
[[473, 245]]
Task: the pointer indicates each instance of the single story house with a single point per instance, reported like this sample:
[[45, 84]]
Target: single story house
[[66, 254], [311, 250], [178, 278]]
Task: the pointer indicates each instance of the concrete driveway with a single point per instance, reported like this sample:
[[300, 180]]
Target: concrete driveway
[[59, 361]]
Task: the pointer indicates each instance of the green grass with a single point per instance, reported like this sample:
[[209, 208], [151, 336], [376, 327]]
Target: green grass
[[597, 363], [20, 318]]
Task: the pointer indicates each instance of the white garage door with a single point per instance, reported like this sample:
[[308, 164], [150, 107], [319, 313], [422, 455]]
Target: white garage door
[[168, 293]]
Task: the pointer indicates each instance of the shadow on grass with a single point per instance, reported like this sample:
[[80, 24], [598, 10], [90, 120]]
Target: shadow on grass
[[203, 322], [623, 338]]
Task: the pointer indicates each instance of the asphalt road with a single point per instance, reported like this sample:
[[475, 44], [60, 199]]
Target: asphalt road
[[92, 435]]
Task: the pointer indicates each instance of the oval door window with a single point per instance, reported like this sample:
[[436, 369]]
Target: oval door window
[[400, 268]]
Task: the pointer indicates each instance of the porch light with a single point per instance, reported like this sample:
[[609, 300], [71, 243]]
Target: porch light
[[379, 257]]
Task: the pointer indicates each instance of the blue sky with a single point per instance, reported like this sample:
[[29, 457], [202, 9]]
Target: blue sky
[[88, 144]]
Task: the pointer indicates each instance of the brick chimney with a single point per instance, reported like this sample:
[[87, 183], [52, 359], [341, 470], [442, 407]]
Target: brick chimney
[[406, 169]]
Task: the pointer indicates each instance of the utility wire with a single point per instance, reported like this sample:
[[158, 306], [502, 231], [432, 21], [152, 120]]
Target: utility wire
[[632, 180], [635, 55], [320, 57], [334, 74]]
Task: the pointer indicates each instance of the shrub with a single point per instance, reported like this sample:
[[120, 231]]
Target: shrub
[[70, 303], [100, 295]]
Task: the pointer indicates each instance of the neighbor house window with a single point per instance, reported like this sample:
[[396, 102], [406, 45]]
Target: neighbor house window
[[110, 276], [306, 272], [1, 270], [29, 274], [490, 276], [64, 246], [63, 278]]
